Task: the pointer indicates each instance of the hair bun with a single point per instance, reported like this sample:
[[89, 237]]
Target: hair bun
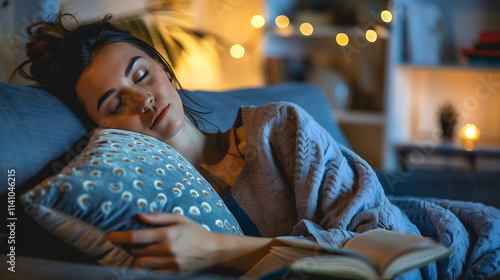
[[48, 44]]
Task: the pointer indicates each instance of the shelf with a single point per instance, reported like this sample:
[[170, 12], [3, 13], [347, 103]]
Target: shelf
[[449, 67], [448, 156], [360, 117]]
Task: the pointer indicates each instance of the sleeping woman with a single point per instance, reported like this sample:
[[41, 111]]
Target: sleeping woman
[[283, 171]]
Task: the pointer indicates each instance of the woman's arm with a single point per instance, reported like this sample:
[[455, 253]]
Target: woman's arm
[[182, 245]]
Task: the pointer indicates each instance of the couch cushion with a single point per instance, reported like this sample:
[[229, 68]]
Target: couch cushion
[[36, 128]]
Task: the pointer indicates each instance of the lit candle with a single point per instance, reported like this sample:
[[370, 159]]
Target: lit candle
[[469, 133]]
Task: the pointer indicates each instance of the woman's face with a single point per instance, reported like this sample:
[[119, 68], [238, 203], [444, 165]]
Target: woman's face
[[124, 88]]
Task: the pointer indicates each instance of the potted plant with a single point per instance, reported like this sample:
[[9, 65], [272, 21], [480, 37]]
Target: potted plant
[[448, 119]]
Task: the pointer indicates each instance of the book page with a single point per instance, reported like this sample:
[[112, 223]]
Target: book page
[[310, 243], [311, 261], [301, 252], [416, 258], [335, 265], [300, 242], [266, 265], [367, 255], [383, 246], [279, 257]]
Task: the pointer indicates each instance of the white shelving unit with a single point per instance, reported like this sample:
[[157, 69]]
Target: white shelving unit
[[415, 92], [360, 117]]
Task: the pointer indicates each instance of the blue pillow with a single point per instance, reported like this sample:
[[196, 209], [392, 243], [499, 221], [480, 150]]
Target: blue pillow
[[118, 175], [36, 128]]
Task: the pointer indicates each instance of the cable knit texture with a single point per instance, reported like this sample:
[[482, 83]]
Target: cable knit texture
[[298, 181]]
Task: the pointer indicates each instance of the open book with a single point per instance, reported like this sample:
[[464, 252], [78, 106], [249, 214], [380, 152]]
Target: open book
[[375, 254]]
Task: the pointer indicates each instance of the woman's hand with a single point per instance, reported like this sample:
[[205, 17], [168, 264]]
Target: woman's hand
[[179, 244]]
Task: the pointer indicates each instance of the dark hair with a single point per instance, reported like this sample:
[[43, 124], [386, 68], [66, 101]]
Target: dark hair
[[58, 55]]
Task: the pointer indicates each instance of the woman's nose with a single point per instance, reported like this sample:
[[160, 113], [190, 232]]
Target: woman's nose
[[144, 101]]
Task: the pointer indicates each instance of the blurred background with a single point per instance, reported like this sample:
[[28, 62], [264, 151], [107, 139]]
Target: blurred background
[[404, 77]]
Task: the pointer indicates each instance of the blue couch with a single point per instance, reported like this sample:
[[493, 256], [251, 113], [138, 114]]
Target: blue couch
[[40, 135]]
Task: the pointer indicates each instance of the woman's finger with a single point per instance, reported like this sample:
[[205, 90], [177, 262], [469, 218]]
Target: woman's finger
[[157, 249], [141, 236], [161, 219], [164, 271], [153, 262]]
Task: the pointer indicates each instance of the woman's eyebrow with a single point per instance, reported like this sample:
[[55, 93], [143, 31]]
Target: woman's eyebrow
[[131, 65], [111, 91]]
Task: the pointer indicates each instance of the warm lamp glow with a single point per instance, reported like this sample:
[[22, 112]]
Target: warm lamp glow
[[306, 29], [342, 39], [386, 16], [371, 36], [258, 21], [282, 21], [469, 133], [237, 51]]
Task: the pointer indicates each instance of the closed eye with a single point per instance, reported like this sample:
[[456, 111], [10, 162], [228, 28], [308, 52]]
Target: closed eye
[[119, 106], [144, 74]]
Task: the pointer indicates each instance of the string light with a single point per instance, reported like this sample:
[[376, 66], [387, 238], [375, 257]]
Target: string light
[[371, 36], [282, 21], [342, 39], [386, 16], [257, 21], [237, 51], [306, 29]]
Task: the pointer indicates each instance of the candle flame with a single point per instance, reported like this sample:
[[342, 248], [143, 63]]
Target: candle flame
[[470, 132]]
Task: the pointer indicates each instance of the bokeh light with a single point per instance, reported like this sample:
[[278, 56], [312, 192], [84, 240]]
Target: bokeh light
[[282, 21], [386, 16], [342, 39], [237, 51], [371, 36], [306, 29], [258, 21]]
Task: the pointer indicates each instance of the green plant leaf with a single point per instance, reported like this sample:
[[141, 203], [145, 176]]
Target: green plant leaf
[[170, 53]]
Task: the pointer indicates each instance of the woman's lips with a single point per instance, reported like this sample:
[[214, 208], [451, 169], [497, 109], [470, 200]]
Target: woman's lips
[[160, 115]]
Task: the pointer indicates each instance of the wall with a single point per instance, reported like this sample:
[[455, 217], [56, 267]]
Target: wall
[[92, 9], [15, 17], [8, 34]]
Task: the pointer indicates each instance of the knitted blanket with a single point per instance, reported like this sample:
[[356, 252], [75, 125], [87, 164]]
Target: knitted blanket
[[298, 181]]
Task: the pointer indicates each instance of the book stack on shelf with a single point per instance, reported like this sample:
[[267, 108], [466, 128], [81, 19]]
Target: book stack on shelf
[[486, 51]]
